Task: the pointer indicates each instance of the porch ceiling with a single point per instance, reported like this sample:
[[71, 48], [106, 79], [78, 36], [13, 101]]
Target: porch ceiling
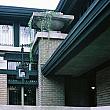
[[93, 55]]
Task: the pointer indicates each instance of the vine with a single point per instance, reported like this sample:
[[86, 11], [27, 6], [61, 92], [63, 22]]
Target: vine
[[46, 24]]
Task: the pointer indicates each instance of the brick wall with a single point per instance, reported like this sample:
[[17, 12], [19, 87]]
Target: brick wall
[[3, 89], [51, 89], [103, 87], [47, 47]]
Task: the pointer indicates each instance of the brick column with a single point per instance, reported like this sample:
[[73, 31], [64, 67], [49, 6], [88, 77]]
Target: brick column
[[3, 89], [51, 89]]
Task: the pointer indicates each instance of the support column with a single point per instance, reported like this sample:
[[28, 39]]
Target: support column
[[22, 96], [7, 96], [16, 34], [37, 103], [51, 89]]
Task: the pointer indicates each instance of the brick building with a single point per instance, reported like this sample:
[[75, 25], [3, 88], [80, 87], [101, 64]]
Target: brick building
[[67, 66]]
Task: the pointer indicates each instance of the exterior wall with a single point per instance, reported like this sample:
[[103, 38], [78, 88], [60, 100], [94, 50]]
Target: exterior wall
[[103, 87], [51, 89], [3, 89], [47, 47]]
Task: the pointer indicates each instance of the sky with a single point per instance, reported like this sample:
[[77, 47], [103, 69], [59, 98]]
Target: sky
[[41, 4]]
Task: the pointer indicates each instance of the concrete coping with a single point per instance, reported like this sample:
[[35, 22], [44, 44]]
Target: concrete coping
[[48, 35], [51, 35], [58, 20], [56, 15]]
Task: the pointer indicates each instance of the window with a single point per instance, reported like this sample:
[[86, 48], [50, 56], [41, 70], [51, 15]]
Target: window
[[30, 95], [15, 95], [25, 38], [6, 35], [12, 65]]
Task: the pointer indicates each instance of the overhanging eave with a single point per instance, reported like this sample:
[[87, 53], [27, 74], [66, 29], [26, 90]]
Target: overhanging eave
[[91, 24]]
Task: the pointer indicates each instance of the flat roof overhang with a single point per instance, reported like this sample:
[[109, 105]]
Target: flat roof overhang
[[86, 46], [73, 7], [21, 15]]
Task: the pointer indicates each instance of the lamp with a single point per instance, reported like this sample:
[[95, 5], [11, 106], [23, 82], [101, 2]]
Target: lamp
[[22, 69]]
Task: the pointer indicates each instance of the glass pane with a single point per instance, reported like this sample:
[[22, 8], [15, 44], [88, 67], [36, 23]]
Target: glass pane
[[6, 35], [1, 58], [30, 95], [25, 36], [14, 95], [3, 64], [12, 65]]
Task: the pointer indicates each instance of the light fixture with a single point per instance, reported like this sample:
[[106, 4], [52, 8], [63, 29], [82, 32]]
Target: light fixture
[[22, 68], [25, 95], [93, 87], [22, 73]]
